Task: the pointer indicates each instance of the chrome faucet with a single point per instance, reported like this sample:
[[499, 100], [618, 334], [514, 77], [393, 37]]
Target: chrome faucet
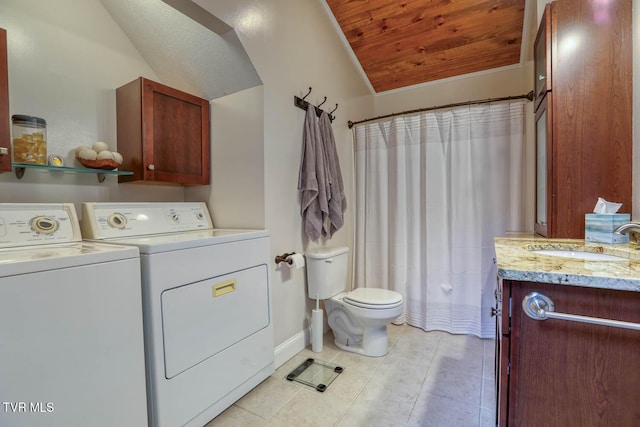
[[625, 228]]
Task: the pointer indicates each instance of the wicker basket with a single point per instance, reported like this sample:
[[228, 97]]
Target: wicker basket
[[105, 164]]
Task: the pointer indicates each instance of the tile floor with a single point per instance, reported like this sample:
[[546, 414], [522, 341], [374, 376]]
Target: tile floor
[[427, 379]]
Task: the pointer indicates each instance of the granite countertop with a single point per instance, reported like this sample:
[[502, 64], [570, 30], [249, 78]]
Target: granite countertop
[[516, 261]]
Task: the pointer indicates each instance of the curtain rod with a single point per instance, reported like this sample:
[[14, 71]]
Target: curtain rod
[[528, 96]]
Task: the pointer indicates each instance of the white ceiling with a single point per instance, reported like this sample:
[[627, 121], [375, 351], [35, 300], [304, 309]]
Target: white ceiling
[[184, 53]]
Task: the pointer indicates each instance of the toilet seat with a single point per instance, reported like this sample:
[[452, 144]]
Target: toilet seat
[[373, 298]]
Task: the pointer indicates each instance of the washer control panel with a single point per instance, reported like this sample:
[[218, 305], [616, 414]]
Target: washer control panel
[[109, 220], [37, 224]]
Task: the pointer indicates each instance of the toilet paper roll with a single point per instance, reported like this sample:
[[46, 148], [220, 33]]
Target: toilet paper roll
[[295, 261], [316, 330]]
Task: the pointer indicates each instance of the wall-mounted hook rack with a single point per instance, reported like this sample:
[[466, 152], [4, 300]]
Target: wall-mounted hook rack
[[302, 104]]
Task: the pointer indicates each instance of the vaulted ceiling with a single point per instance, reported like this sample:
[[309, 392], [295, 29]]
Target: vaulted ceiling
[[402, 43]]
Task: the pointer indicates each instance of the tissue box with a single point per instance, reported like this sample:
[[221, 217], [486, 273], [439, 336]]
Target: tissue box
[[599, 227]]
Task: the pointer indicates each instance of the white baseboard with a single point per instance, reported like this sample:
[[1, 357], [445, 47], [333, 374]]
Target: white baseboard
[[291, 347]]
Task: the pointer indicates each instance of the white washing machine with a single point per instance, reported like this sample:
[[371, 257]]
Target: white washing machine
[[207, 305], [71, 340]]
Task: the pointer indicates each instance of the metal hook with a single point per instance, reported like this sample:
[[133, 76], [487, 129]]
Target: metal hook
[[307, 93], [332, 111], [325, 100]]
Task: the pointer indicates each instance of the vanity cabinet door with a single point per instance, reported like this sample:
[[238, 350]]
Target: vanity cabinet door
[[565, 373], [503, 339], [163, 134], [5, 138]]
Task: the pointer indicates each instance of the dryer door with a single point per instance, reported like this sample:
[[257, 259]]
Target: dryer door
[[201, 319]]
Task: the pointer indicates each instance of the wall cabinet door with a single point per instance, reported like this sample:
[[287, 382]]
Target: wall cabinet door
[[565, 373], [5, 138], [163, 134], [542, 60], [544, 166], [590, 99]]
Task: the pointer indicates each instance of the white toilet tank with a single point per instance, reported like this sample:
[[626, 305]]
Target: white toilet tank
[[326, 271]]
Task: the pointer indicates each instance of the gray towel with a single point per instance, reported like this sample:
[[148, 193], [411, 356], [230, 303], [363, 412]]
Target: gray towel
[[312, 178], [337, 200]]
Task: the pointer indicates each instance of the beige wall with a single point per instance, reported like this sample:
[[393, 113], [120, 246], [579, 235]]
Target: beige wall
[[236, 196], [65, 60], [292, 45]]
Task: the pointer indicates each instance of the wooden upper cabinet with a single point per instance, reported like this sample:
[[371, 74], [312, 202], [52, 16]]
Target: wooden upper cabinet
[[589, 134], [163, 134], [5, 135]]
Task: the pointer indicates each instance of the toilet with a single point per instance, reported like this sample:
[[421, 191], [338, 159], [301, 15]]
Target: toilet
[[358, 318]]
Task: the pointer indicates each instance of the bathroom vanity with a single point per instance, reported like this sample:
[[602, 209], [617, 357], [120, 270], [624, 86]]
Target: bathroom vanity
[[562, 371]]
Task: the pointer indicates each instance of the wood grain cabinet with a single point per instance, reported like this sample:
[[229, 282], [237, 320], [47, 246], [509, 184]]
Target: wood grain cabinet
[[583, 76], [163, 134], [558, 373], [5, 135]]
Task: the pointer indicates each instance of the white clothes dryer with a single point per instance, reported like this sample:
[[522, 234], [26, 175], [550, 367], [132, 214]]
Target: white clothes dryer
[[207, 305], [71, 341]]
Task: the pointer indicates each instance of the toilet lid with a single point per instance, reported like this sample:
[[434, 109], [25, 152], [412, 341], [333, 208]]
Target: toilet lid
[[373, 298]]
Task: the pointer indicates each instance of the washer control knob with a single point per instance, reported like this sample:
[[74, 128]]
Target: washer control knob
[[117, 220], [175, 218], [44, 225]]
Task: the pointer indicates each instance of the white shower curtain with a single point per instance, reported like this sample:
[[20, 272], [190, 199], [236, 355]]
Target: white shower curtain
[[432, 191]]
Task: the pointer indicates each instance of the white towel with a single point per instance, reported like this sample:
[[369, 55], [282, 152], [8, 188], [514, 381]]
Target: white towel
[[337, 200], [312, 178]]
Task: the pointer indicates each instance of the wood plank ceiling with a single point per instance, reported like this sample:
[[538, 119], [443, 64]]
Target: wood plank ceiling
[[401, 43]]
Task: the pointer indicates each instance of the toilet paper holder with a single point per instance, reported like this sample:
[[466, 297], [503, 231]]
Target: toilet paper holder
[[283, 258]]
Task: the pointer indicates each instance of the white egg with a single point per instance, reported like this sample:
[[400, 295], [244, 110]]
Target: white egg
[[100, 146], [105, 155], [117, 157], [88, 154], [80, 148]]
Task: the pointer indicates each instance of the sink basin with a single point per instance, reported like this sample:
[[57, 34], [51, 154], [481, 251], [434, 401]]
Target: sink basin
[[589, 256]]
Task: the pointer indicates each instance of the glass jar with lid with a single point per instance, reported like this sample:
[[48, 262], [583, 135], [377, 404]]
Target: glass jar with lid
[[29, 139]]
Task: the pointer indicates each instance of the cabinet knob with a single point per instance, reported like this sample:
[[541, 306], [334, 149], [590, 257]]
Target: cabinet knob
[[151, 167], [541, 77]]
